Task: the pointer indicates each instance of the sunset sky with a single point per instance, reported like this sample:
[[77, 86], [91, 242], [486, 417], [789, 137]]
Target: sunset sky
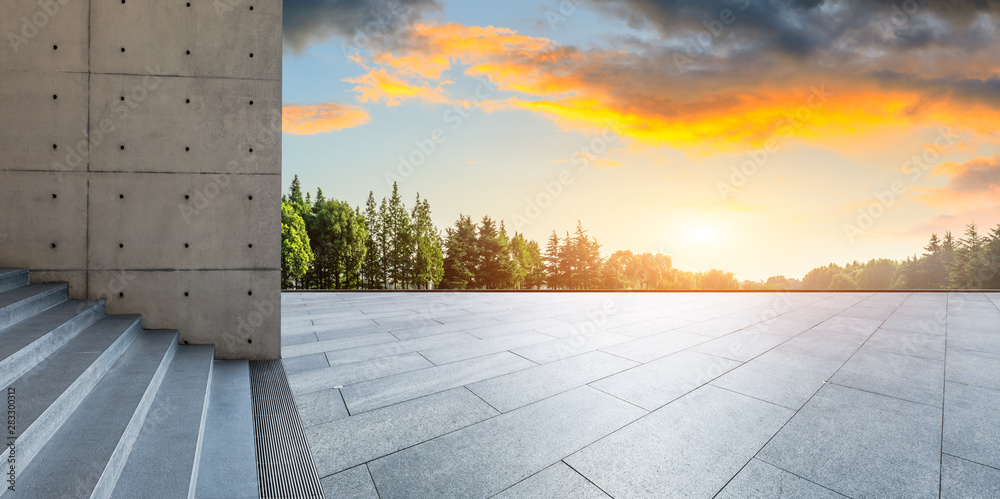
[[762, 137]]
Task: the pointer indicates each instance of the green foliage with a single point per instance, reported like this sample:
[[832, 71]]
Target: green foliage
[[296, 254], [459, 259]]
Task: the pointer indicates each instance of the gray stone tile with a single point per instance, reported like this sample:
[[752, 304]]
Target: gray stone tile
[[513, 328], [961, 479], [477, 348], [849, 325], [908, 342], [510, 391], [336, 344], [862, 444], [716, 327], [305, 363], [488, 457], [650, 327], [824, 344], [902, 376], [974, 368], [345, 374], [654, 347], [759, 480], [780, 377], [782, 326], [656, 383], [320, 407], [560, 349], [288, 340], [348, 442], [970, 423], [557, 480], [690, 448], [933, 324], [387, 349], [354, 483], [873, 313], [421, 331], [381, 392], [980, 341], [741, 345]]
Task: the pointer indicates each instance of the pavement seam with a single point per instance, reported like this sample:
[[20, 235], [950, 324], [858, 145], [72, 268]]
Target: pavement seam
[[944, 388], [800, 476]]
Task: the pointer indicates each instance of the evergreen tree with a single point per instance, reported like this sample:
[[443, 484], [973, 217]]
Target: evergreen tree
[[969, 261], [400, 241], [492, 270], [459, 258], [428, 265], [554, 273], [371, 268]]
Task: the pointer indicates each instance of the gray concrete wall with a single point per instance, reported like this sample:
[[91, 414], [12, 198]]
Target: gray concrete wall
[[140, 160]]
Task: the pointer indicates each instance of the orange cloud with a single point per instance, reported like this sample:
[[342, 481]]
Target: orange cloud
[[645, 98], [321, 118], [970, 184]]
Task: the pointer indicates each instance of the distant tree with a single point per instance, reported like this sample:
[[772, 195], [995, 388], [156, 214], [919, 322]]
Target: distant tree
[[969, 261], [400, 243], [296, 254], [842, 281], [459, 254], [821, 277], [555, 278], [717, 280], [371, 268], [492, 270], [877, 274], [338, 241], [428, 264]]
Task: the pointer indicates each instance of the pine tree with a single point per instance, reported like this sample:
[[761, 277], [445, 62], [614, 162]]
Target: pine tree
[[554, 273], [372, 271], [428, 266], [459, 258], [970, 260]]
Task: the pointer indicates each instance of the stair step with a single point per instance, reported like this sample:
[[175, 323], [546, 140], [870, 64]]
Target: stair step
[[12, 278], [23, 302], [23, 346], [165, 456], [85, 456], [228, 467], [49, 392]]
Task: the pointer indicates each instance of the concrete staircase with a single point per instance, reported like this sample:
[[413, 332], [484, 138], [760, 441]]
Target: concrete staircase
[[99, 407]]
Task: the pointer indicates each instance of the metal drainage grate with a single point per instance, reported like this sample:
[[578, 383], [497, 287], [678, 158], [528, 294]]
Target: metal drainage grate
[[285, 468]]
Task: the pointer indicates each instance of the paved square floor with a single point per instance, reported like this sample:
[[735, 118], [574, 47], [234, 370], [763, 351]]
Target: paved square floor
[[623, 395]]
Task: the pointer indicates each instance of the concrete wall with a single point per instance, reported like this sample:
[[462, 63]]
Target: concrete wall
[[140, 160]]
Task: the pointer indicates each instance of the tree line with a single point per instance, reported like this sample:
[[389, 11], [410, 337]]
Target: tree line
[[326, 244], [970, 262]]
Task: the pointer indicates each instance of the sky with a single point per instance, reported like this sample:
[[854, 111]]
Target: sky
[[760, 137]]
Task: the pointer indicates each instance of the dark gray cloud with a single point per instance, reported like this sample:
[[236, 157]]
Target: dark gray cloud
[[358, 22], [800, 28]]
